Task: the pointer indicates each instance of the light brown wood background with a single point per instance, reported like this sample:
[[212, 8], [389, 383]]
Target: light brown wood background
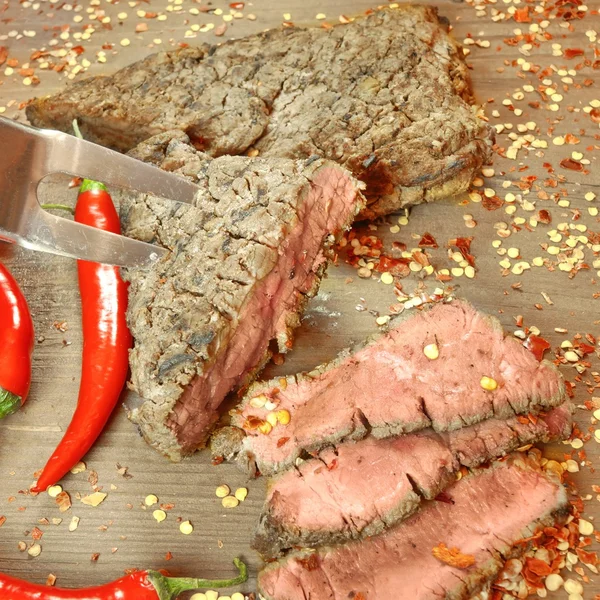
[[332, 319]]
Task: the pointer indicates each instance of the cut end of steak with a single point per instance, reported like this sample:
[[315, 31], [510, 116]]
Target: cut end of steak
[[489, 512], [387, 95], [445, 394], [359, 489], [243, 262]]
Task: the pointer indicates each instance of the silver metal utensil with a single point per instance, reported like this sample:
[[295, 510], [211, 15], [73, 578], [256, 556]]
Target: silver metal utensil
[[27, 155]]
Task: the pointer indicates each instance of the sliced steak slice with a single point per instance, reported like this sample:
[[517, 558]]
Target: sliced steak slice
[[387, 95], [389, 387], [489, 512], [361, 488], [243, 261]]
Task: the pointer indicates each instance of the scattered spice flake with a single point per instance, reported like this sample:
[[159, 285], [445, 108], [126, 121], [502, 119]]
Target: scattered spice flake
[[493, 203], [537, 346], [220, 30], [571, 164], [570, 53], [3, 54], [428, 241], [544, 217], [310, 564], [95, 557], [64, 501], [50, 580], [2, 520], [94, 499], [464, 247], [452, 556]]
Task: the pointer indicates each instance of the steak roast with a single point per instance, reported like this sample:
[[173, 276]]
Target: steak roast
[[358, 489], [243, 262], [388, 96], [389, 387], [487, 513]]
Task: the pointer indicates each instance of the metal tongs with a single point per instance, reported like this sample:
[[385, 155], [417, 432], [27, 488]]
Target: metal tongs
[[27, 155]]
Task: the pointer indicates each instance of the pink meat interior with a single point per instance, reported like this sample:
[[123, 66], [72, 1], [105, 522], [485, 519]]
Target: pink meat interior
[[360, 483], [397, 389], [490, 512], [328, 205]]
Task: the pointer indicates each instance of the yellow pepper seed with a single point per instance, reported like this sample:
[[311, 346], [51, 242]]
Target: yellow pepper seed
[[489, 384], [258, 401], [186, 528], [272, 419], [230, 502], [431, 351], [265, 428], [159, 515], [283, 416], [54, 491], [241, 494], [222, 491], [150, 500]]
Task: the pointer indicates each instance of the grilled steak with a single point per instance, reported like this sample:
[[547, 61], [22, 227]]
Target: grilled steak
[[359, 489], [489, 512], [387, 96], [389, 387], [243, 261]]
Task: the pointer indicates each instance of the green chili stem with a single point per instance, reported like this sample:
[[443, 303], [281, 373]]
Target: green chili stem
[[9, 403], [169, 588], [52, 206]]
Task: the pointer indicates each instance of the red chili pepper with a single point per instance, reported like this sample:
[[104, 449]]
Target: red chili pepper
[[143, 585], [17, 338], [106, 341]]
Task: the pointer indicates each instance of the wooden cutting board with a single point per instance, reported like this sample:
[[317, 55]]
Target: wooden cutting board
[[121, 533]]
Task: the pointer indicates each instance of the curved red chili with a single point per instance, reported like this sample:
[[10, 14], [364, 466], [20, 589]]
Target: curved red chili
[[17, 339], [106, 341], [143, 585]]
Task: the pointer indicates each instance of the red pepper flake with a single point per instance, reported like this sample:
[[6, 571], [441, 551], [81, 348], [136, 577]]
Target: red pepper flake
[[78, 50], [95, 557], [573, 53], [538, 567], [452, 556], [282, 441], [2, 520], [493, 203], [332, 466], [571, 164], [141, 27], [168, 556], [522, 15], [310, 564], [3, 54], [37, 533], [544, 217], [537, 346], [464, 246], [236, 5], [589, 558], [594, 113], [220, 30], [50, 580], [428, 241]]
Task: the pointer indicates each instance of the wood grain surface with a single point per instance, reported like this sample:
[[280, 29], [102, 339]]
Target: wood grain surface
[[121, 530]]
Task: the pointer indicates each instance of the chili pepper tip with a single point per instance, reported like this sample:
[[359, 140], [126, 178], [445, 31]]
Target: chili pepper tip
[[9, 403]]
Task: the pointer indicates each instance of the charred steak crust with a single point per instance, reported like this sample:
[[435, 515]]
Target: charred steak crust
[[359, 489], [243, 261], [490, 511], [387, 95], [444, 394]]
